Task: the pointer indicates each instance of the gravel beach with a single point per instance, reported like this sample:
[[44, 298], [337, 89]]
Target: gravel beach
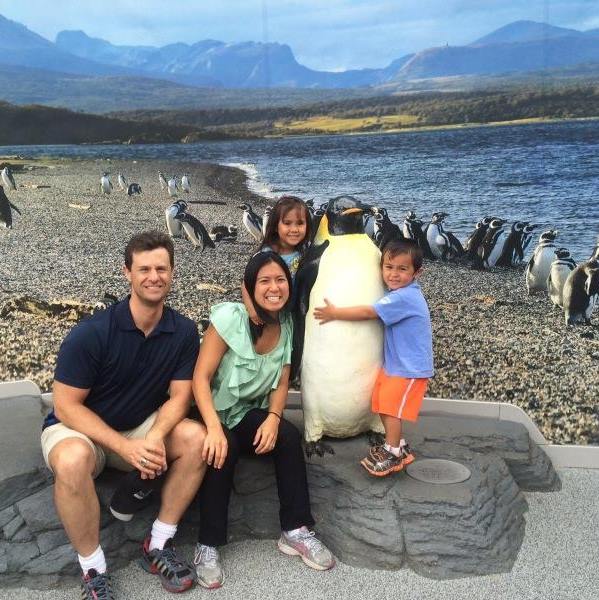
[[492, 341]]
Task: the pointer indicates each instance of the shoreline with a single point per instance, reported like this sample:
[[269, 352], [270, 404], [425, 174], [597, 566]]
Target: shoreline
[[491, 341]]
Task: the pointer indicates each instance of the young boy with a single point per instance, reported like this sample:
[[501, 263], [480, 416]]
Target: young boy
[[408, 351]]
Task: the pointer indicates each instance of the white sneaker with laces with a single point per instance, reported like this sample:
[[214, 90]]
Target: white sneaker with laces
[[304, 543], [209, 571]]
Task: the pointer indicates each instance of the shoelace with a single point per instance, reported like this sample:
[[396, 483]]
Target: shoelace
[[100, 584], [208, 555], [312, 542], [175, 564]]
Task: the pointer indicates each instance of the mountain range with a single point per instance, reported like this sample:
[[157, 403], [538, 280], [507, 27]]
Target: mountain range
[[515, 49]]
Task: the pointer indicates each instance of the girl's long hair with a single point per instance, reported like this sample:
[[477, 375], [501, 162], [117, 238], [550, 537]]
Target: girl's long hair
[[279, 210], [250, 277]]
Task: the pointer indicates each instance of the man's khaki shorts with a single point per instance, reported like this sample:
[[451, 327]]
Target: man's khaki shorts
[[56, 433]]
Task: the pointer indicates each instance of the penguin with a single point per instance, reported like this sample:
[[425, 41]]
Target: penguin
[[194, 230], [225, 233], [133, 188], [172, 186], [122, 183], [265, 218], [107, 300], [491, 247], [174, 226], [563, 264], [162, 180], [412, 229], [185, 185], [443, 244], [476, 237], [252, 222], [539, 266], [526, 239], [581, 293], [105, 183], [512, 245], [8, 179], [595, 253], [384, 229], [6, 208], [344, 268]]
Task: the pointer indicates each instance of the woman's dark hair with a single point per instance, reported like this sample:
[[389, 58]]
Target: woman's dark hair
[[279, 210], [149, 240], [250, 277]]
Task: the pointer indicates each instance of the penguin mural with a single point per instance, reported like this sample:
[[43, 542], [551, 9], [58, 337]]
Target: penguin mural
[[8, 179], [412, 229], [476, 237], [122, 182], [561, 267], [581, 293], [172, 224], [345, 268], [172, 187], [6, 208], [194, 230], [252, 222], [511, 251], [539, 266], [162, 180], [185, 183], [105, 183], [443, 244], [491, 247]]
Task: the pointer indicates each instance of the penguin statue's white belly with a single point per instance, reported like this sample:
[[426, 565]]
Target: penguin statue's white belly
[[341, 359]]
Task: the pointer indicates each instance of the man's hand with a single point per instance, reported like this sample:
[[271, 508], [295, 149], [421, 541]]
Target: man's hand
[[266, 435], [326, 313], [215, 447], [147, 456]]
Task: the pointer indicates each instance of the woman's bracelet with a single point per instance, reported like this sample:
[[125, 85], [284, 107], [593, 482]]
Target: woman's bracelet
[[270, 412]]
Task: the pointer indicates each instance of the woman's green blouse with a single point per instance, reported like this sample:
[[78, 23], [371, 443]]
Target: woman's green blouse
[[244, 379]]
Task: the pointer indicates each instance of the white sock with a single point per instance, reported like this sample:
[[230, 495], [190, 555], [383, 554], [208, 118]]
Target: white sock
[[160, 533], [96, 560], [402, 443], [394, 451]]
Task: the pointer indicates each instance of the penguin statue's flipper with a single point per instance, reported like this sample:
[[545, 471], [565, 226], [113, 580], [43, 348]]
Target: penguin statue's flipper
[[304, 281], [14, 207]]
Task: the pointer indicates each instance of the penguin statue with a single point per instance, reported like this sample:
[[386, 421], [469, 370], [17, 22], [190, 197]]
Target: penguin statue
[[344, 268], [563, 264], [539, 266], [581, 293]]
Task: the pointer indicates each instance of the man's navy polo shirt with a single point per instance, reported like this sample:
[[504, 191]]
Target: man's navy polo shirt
[[128, 374]]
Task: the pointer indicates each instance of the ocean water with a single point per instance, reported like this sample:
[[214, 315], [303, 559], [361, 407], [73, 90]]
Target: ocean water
[[542, 173]]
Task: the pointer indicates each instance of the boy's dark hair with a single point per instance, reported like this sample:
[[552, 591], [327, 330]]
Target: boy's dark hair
[[149, 240], [394, 248], [280, 209], [250, 276]]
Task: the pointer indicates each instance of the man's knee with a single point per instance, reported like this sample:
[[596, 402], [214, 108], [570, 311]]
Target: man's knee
[[72, 459], [188, 437]]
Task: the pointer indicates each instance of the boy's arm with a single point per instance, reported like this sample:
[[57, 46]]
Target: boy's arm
[[330, 312]]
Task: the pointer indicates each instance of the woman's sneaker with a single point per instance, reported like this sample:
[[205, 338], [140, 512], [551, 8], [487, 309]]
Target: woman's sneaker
[[96, 586], [303, 542], [174, 573], [381, 462], [209, 571]]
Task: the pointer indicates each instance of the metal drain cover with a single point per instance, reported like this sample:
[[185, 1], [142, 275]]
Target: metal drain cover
[[438, 470]]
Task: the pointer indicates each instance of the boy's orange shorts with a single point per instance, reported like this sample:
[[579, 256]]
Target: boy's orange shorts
[[397, 396]]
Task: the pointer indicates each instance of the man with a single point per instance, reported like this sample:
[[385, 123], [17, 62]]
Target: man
[[122, 390]]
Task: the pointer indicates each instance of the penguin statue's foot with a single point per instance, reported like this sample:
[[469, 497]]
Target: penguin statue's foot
[[375, 438], [319, 448]]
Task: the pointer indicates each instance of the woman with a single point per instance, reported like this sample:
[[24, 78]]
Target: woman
[[240, 385]]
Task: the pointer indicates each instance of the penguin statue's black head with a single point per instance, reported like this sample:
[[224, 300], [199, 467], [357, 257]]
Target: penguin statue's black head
[[344, 215]]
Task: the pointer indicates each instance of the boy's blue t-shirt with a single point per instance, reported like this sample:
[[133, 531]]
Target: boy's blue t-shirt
[[408, 344]]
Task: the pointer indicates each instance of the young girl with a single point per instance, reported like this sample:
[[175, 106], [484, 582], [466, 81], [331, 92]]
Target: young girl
[[288, 234]]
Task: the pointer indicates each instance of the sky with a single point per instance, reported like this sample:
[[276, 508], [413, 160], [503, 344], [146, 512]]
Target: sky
[[323, 34]]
